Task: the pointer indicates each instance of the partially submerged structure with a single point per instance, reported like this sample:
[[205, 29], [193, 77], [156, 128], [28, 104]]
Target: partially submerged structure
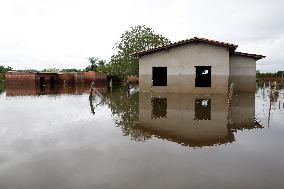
[[196, 120], [196, 65], [37, 83]]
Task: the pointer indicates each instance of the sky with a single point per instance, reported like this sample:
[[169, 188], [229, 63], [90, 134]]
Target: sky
[[38, 34]]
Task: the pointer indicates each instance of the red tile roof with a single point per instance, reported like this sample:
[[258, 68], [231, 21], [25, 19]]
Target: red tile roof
[[230, 46], [257, 57]]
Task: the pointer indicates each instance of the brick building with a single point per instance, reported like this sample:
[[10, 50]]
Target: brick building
[[36, 83]]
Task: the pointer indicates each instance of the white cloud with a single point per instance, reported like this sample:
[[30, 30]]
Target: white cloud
[[63, 33]]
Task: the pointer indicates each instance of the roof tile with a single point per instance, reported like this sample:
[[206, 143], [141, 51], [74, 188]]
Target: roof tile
[[230, 46]]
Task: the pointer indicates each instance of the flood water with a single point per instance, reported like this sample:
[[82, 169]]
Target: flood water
[[69, 139]]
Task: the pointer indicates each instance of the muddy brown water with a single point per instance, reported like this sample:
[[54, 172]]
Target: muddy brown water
[[123, 139]]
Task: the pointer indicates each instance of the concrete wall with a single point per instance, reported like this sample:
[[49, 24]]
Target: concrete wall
[[181, 62], [242, 73], [242, 112]]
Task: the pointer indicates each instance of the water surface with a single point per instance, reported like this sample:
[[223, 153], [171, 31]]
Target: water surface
[[119, 139]]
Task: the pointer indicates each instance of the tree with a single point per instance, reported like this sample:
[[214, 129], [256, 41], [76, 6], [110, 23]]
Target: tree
[[93, 66], [96, 64], [3, 69], [124, 117], [51, 70], [138, 38], [280, 73], [103, 67], [70, 70], [2, 72]]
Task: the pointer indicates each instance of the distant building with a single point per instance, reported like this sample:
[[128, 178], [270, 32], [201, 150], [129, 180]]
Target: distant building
[[36, 83], [196, 65]]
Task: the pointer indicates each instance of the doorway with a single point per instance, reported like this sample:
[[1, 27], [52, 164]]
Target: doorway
[[203, 76], [41, 81], [52, 83], [159, 76], [42, 85]]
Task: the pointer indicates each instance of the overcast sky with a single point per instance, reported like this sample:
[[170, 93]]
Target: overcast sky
[[37, 34]]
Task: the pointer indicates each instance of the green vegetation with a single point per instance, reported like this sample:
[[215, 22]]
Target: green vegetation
[[122, 64], [279, 74], [70, 70], [1, 87], [55, 70], [2, 72], [138, 38], [124, 108], [2, 76], [97, 65]]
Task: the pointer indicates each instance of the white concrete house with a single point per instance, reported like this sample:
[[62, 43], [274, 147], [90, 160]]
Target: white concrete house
[[196, 65]]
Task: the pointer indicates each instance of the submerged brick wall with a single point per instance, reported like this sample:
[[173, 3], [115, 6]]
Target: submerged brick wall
[[65, 79], [47, 79], [31, 81], [89, 77], [20, 79]]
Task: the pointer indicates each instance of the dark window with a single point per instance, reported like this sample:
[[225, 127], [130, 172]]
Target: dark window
[[203, 76], [159, 76], [42, 85], [42, 81], [52, 83], [202, 109], [159, 108]]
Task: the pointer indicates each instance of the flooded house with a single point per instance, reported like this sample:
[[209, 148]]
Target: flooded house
[[196, 65]]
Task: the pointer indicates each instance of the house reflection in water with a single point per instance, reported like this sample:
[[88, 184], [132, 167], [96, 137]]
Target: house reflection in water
[[23, 83], [24, 88], [196, 120]]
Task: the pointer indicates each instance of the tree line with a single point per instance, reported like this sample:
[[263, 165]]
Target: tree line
[[279, 74], [122, 64], [3, 70]]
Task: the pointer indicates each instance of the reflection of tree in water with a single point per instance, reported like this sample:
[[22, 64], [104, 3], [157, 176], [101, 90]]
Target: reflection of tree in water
[[124, 106], [1, 86]]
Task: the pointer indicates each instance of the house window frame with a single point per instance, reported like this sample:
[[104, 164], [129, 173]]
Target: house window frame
[[197, 84], [166, 81]]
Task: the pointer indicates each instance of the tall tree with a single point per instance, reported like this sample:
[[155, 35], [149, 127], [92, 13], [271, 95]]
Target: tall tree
[[138, 38], [96, 65], [2, 72], [94, 62], [3, 69]]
